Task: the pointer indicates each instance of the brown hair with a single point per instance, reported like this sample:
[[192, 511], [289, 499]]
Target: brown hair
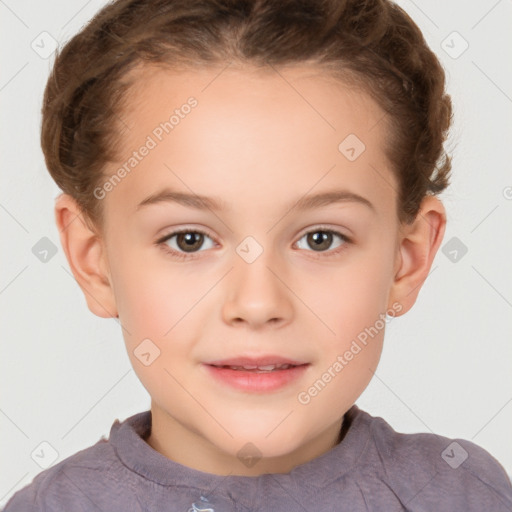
[[372, 44]]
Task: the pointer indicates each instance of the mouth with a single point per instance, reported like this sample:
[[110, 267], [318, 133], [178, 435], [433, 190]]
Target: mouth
[[261, 374], [259, 368], [263, 362]]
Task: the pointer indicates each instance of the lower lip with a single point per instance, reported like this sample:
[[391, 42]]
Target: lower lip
[[257, 381]]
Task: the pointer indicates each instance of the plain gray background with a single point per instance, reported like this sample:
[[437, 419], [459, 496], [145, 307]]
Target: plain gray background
[[446, 365]]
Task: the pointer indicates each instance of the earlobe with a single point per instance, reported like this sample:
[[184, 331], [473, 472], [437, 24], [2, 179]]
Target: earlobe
[[86, 257], [418, 245]]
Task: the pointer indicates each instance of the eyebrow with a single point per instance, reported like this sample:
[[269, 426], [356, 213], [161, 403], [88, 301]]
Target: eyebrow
[[210, 203]]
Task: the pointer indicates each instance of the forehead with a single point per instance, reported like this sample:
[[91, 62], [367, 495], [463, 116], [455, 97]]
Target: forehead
[[294, 93], [268, 128]]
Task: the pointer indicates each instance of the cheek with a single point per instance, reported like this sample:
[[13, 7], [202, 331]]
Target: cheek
[[153, 308], [350, 297], [151, 296], [162, 305]]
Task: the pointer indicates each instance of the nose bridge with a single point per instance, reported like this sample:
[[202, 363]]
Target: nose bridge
[[256, 293]]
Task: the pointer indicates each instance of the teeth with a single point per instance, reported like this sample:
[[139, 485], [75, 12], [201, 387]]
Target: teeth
[[267, 368]]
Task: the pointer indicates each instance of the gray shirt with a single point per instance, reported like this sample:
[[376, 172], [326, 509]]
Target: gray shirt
[[373, 468]]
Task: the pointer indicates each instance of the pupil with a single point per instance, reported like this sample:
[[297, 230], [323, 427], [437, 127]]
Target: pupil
[[321, 240]]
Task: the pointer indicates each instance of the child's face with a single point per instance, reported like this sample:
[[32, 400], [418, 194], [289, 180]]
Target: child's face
[[256, 144]]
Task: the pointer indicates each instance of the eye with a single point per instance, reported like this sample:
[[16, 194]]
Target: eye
[[321, 240], [185, 241]]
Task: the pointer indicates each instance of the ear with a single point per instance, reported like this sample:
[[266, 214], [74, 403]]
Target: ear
[[418, 244], [86, 255]]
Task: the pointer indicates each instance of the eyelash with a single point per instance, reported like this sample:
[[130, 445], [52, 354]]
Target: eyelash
[[191, 256]]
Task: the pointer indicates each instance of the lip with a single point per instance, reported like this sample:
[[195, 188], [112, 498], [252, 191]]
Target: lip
[[255, 381]]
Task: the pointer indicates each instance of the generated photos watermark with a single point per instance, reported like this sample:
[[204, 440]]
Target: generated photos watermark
[[342, 360], [152, 141]]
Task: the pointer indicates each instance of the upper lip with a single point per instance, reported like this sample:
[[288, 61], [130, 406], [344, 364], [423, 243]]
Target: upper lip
[[258, 361]]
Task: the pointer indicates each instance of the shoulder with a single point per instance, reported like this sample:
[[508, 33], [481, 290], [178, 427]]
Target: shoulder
[[426, 469], [76, 479]]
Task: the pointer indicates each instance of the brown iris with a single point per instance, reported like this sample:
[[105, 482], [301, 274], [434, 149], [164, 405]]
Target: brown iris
[[319, 240], [189, 241]]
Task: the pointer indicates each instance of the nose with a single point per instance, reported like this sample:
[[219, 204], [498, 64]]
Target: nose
[[257, 294]]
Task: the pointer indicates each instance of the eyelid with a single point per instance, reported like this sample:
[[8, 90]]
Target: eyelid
[[323, 227]]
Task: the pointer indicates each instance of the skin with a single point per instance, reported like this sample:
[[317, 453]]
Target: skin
[[258, 145]]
